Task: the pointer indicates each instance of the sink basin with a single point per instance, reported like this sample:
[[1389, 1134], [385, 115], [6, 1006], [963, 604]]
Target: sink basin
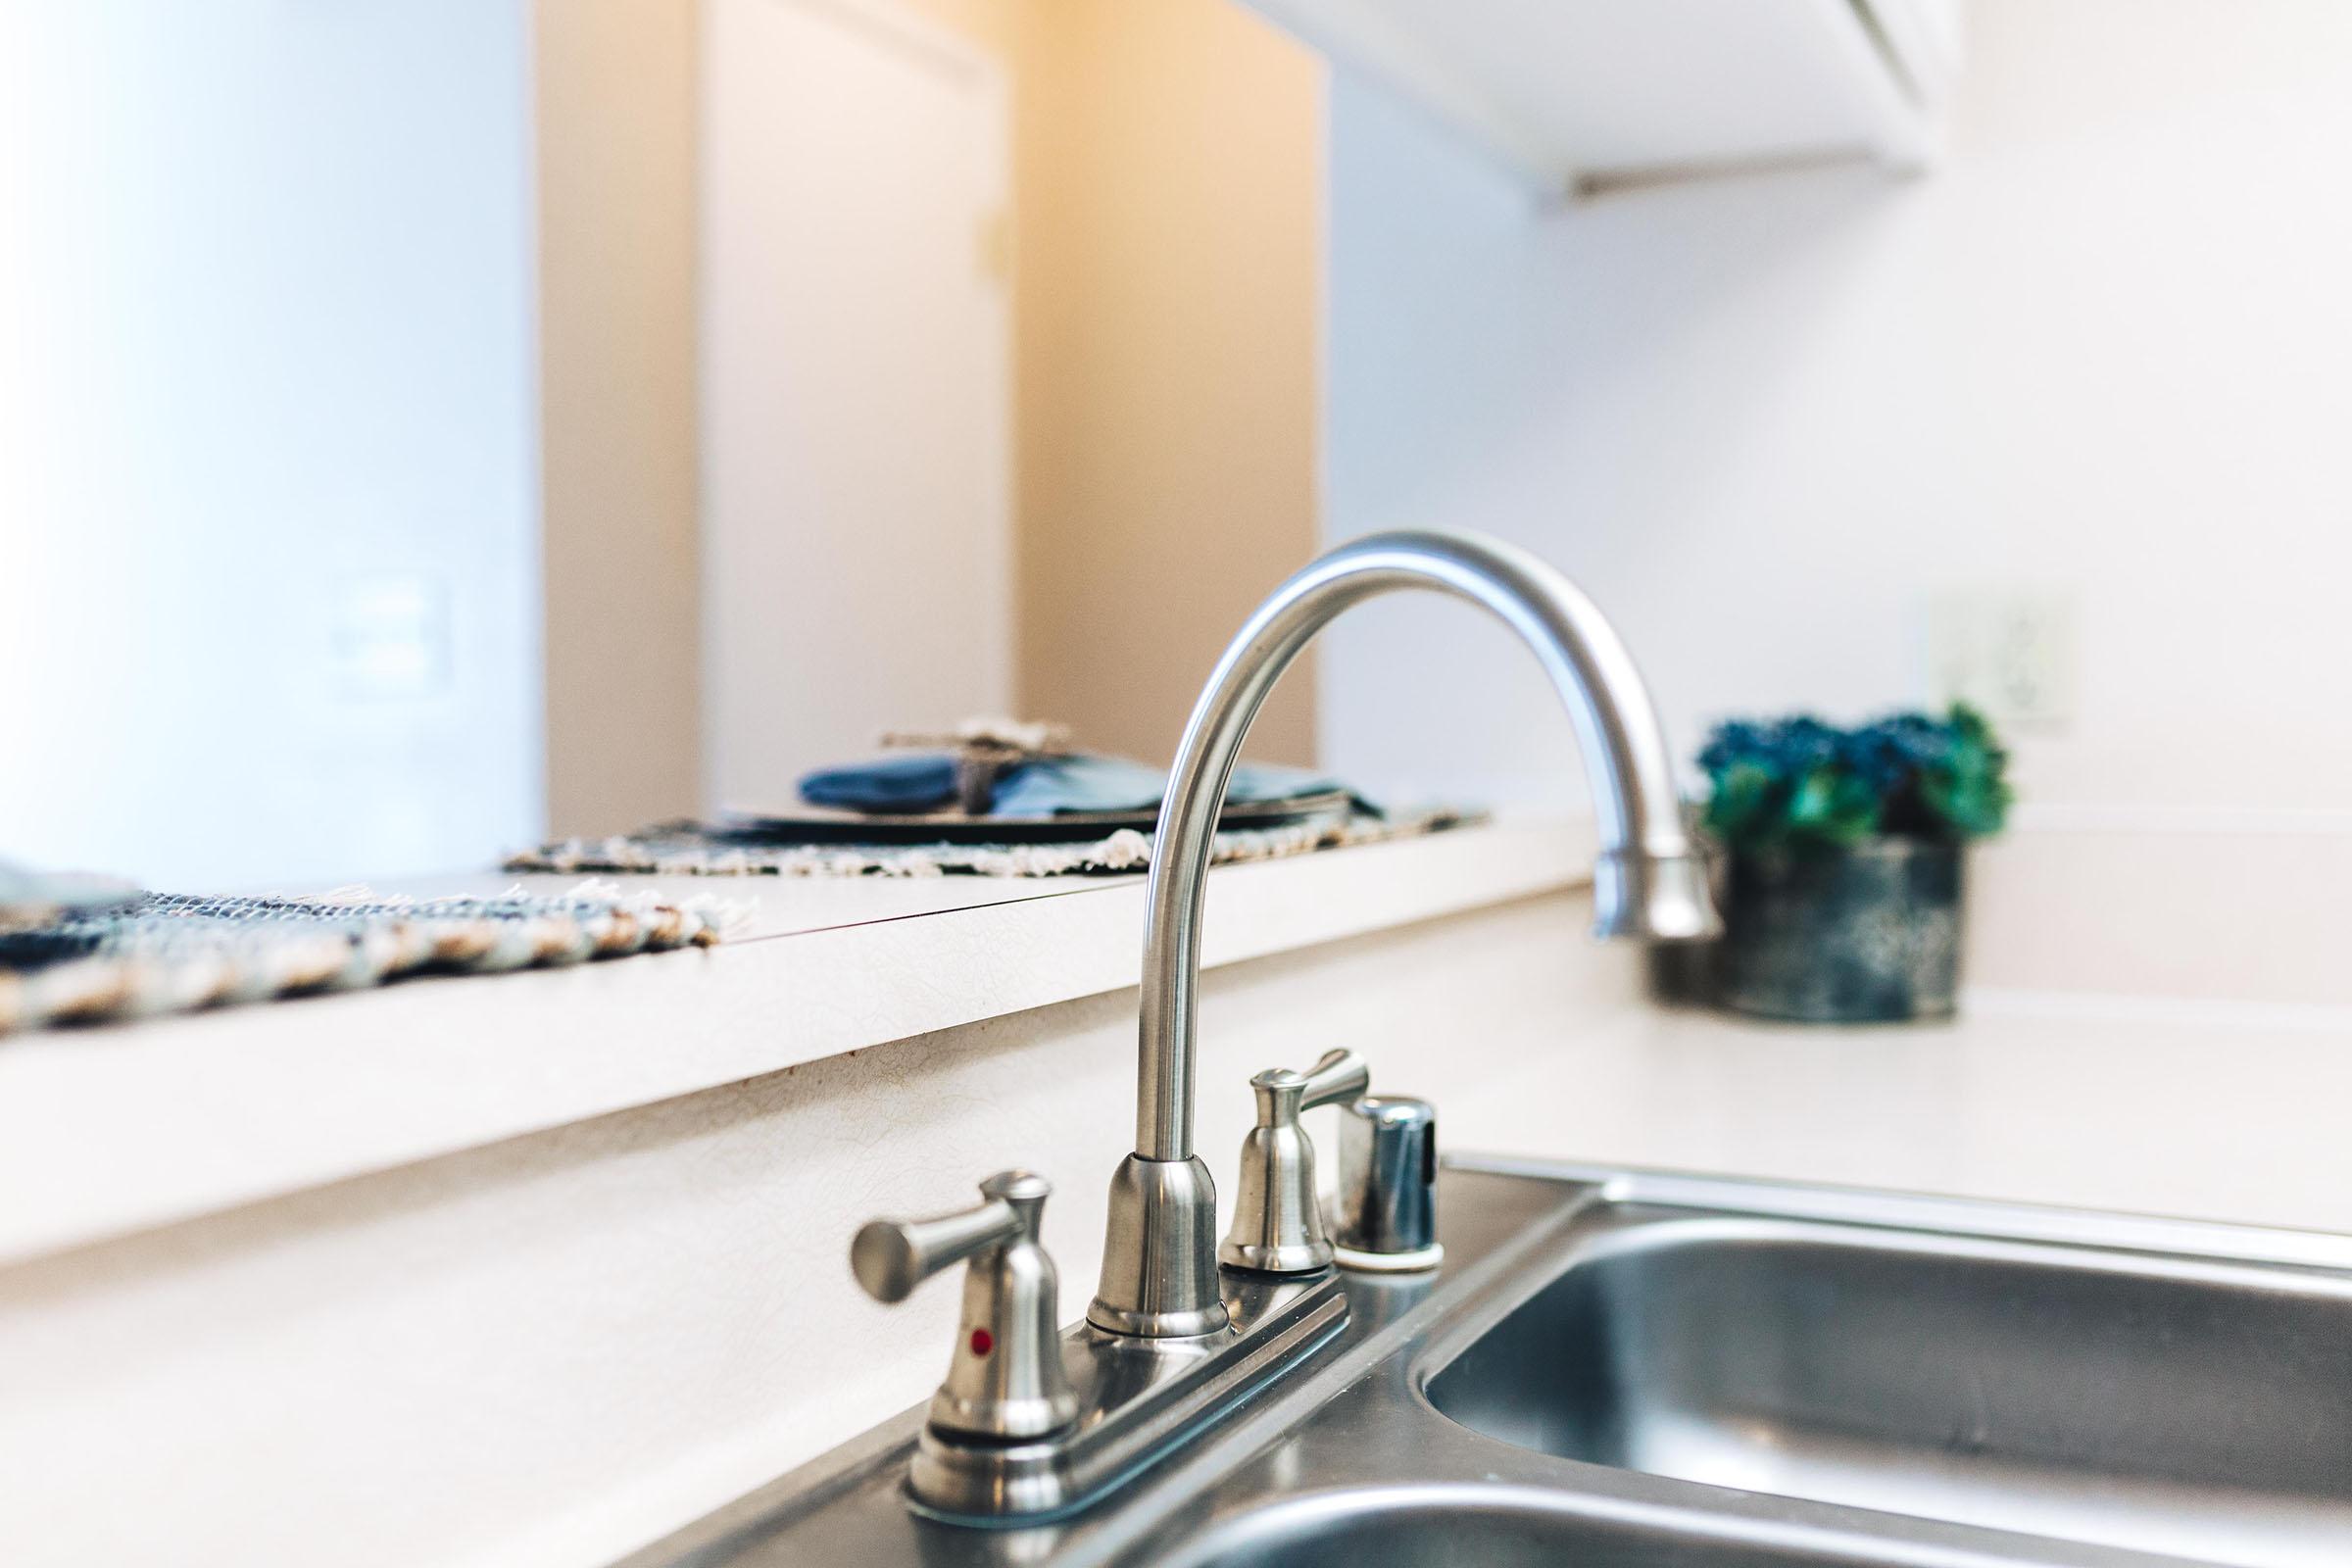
[[1512, 1527], [2190, 1406], [1618, 1370]]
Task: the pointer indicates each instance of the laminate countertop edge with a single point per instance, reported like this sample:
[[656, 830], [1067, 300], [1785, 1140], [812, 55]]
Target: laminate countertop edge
[[117, 1129]]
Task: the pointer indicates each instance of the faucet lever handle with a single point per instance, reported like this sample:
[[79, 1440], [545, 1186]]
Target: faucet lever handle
[[1006, 1377], [1277, 1216], [892, 1256], [1337, 1077]]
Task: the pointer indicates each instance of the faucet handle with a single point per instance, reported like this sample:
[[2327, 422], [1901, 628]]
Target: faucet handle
[[892, 1256], [1006, 1378], [1336, 1076], [1277, 1217]]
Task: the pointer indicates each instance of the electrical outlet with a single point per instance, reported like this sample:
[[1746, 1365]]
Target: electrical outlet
[[2007, 652]]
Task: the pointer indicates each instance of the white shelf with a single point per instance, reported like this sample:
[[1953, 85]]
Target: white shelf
[[1584, 94]]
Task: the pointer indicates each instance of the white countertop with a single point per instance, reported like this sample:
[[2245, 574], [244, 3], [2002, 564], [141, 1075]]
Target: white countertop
[[114, 1129], [2229, 1113]]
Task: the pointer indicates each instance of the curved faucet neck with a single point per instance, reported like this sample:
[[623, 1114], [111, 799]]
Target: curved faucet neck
[[1646, 883]]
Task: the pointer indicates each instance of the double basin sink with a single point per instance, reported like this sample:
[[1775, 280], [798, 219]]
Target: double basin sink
[[1640, 1371]]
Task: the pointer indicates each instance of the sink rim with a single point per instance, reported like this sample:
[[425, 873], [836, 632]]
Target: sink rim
[[1930, 1214]]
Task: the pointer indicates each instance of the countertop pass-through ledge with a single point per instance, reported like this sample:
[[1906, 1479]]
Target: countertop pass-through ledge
[[118, 1128]]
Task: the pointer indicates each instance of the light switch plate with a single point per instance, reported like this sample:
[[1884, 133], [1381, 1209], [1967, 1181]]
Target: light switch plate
[[391, 637]]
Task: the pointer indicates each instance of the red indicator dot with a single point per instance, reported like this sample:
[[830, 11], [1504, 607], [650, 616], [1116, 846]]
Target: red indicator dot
[[983, 1342]]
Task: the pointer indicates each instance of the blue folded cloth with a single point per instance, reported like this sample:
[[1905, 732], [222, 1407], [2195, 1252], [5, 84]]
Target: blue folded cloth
[[908, 782], [1047, 787]]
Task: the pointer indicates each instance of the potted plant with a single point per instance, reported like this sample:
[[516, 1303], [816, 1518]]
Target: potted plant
[[1846, 848]]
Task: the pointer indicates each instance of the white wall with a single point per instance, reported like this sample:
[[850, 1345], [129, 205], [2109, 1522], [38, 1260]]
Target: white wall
[[854, 385], [268, 555], [2107, 348]]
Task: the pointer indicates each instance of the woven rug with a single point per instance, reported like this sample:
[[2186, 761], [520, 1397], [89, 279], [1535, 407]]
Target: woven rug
[[691, 848], [175, 952]]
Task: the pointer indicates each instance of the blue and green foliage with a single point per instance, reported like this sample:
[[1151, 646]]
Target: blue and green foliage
[[1800, 782]]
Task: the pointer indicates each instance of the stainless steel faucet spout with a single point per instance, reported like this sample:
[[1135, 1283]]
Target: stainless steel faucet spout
[[1158, 1272]]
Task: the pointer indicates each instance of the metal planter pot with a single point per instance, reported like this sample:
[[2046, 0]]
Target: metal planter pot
[[1863, 935]]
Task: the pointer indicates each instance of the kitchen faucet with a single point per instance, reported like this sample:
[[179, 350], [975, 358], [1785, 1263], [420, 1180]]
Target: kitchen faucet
[[1170, 1339], [1159, 1258]]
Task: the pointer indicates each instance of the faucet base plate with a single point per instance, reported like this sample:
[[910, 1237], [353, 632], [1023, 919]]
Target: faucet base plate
[[1139, 1399]]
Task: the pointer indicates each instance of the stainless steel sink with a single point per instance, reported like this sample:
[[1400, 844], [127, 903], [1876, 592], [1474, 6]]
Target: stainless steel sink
[[1516, 1526], [2185, 1405], [1630, 1371]]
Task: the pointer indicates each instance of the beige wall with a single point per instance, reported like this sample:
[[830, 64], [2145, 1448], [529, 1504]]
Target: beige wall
[[1168, 242], [616, 102], [1168, 188], [992, 24]]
